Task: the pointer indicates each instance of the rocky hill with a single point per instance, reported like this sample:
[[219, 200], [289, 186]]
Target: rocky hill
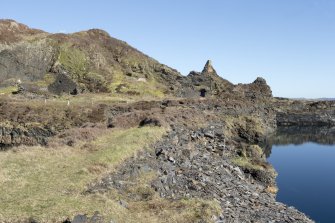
[[80, 138], [93, 61], [88, 61]]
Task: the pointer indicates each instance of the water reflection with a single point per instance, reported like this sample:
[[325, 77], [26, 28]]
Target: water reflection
[[298, 135], [304, 159]]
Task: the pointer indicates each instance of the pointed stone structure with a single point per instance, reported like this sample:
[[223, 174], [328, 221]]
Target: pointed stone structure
[[206, 83], [208, 69]]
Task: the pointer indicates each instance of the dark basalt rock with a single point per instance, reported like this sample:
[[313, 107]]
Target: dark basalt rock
[[305, 113], [14, 136], [150, 122], [25, 63], [260, 81], [256, 90], [63, 84]]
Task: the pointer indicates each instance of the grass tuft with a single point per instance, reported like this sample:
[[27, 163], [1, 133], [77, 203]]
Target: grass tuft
[[8, 90]]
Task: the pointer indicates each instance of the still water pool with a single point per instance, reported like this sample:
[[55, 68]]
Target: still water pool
[[306, 177]]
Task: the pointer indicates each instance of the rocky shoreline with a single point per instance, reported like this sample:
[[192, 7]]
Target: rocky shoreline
[[197, 164], [192, 162]]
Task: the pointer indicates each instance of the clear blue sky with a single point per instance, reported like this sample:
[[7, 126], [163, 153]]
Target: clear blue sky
[[291, 43]]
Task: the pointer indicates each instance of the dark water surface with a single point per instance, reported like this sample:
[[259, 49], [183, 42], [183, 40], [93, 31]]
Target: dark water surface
[[306, 171]]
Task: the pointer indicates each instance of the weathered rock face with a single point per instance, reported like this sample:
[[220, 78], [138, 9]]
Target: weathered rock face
[[28, 62], [248, 120], [208, 82], [305, 113], [63, 85], [258, 89], [262, 87], [14, 136], [25, 123], [208, 68]]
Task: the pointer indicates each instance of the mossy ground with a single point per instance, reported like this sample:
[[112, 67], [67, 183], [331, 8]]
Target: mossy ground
[[246, 163], [8, 90], [73, 60], [47, 80], [250, 158]]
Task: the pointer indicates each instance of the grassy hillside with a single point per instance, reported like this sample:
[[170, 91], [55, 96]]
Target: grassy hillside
[[92, 60]]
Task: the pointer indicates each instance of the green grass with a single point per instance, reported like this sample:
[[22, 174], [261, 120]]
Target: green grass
[[8, 90], [47, 184], [246, 163], [73, 61], [132, 87], [47, 80], [249, 158]]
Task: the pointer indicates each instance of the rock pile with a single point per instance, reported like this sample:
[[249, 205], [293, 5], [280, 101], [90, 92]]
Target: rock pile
[[197, 164]]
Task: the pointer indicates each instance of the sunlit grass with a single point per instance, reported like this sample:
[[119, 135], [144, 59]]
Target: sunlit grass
[[48, 183]]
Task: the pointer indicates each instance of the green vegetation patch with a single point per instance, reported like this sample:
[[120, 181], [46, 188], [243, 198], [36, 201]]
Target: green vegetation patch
[[47, 80], [48, 183], [73, 60], [246, 163], [8, 90], [150, 88], [249, 158]]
